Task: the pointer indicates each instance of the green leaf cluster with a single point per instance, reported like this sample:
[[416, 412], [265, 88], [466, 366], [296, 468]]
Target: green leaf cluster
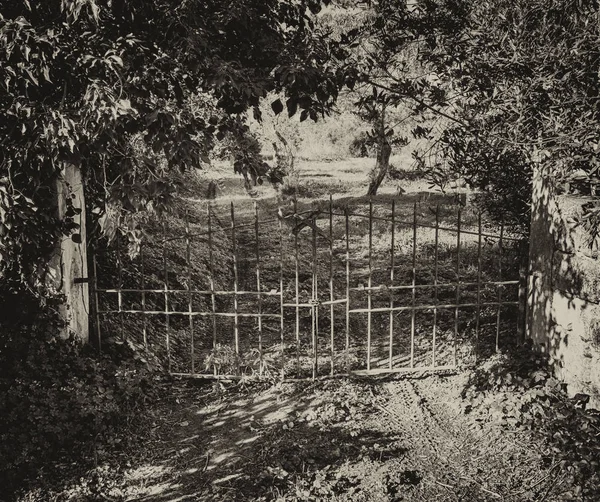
[[130, 91]]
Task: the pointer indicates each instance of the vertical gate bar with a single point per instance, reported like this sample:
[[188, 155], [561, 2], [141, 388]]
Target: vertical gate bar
[[478, 311], [144, 320], [435, 282], [166, 295], [347, 236], [369, 284], [414, 289], [211, 282], [236, 333], [281, 298], [258, 289], [315, 300], [392, 265], [120, 286], [331, 293], [97, 302], [455, 341], [188, 259], [522, 294], [297, 284], [500, 253]]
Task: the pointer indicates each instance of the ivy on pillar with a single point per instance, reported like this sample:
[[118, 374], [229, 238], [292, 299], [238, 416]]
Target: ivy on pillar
[[67, 274]]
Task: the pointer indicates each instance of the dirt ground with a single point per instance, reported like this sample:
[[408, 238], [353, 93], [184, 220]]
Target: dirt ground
[[338, 440]]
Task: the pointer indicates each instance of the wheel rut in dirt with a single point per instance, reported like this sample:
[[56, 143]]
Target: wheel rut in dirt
[[345, 440], [455, 457]]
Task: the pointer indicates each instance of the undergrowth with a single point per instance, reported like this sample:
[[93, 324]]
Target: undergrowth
[[64, 405], [518, 391]]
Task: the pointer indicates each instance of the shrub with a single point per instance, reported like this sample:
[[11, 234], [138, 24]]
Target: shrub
[[519, 391], [62, 400]]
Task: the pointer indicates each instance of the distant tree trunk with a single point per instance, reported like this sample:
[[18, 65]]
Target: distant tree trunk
[[384, 151], [211, 191]]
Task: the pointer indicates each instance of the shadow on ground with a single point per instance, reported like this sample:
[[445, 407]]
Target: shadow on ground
[[256, 445]]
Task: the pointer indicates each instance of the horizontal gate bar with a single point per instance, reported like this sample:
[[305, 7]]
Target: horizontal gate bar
[[206, 376], [311, 305], [325, 214], [426, 307], [425, 225], [171, 313], [385, 287], [416, 369], [194, 291], [278, 316], [316, 304]]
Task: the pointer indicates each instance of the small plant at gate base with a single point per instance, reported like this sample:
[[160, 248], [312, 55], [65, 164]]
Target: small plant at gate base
[[224, 361]]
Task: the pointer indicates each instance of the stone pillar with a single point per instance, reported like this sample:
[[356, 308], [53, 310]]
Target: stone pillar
[[541, 252], [564, 284], [67, 270]]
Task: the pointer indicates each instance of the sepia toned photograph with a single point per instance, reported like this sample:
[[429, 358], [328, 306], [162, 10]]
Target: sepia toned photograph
[[299, 250]]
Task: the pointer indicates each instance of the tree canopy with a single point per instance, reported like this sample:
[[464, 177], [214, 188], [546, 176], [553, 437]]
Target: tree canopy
[[130, 90], [525, 75]]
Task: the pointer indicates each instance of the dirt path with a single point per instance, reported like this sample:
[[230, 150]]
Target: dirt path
[[456, 458], [338, 440]]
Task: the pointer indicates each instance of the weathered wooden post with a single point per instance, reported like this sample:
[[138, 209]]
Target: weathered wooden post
[[67, 273]]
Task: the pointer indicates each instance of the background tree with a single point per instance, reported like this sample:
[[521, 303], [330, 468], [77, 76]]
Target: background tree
[[393, 87], [527, 72]]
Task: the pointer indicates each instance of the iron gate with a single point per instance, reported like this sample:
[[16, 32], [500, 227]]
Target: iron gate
[[345, 286]]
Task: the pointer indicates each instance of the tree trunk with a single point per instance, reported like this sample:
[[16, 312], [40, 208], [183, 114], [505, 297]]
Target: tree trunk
[[384, 151]]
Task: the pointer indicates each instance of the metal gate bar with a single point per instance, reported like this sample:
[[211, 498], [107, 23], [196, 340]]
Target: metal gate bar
[[166, 298], [260, 294], [435, 283], [211, 282], [414, 289], [458, 284], [392, 267], [498, 312], [259, 290], [331, 293]]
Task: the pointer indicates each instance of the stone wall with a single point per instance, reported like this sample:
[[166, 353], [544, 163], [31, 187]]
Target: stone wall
[[564, 290]]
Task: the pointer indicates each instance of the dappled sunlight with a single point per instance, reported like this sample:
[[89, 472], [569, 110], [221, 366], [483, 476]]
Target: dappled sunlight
[[146, 472], [382, 437]]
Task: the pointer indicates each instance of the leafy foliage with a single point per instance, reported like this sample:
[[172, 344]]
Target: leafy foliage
[[520, 391], [527, 75], [511, 84], [63, 402], [382, 65], [129, 91]]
